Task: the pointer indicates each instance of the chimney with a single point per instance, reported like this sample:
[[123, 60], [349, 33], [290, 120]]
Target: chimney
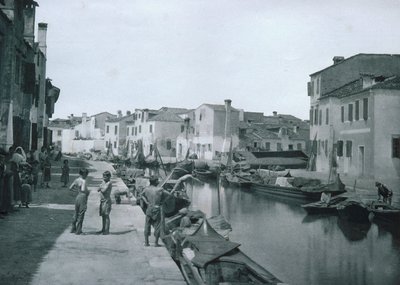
[[128, 113], [29, 20], [84, 117], [337, 59], [228, 118], [42, 33], [119, 113], [275, 113]]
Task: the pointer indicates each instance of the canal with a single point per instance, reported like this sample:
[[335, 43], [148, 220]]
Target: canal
[[303, 249]]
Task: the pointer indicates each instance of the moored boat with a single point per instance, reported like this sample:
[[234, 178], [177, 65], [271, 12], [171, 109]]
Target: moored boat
[[208, 258], [323, 207], [204, 174], [384, 212], [237, 180], [307, 193]]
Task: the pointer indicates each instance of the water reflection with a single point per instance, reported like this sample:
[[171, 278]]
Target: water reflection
[[301, 250]]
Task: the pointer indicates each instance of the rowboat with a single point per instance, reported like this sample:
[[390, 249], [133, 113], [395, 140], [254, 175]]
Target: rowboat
[[322, 207], [236, 180], [311, 193], [381, 211], [207, 258], [354, 211], [204, 174]]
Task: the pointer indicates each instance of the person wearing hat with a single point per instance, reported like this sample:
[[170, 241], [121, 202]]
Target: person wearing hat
[[105, 202], [384, 192], [153, 197]]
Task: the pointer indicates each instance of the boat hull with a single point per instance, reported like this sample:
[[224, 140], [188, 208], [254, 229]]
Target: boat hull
[[354, 211], [323, 208], [289, 192]]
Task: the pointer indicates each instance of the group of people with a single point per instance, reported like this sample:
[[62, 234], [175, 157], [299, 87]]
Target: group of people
[[80, 185], [19, 176]]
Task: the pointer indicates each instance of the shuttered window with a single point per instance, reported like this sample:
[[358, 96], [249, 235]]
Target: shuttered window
[[357, 110], [342, 113], [350, 114], [365, 109], [349, 148], [396, 146], [340, 148]]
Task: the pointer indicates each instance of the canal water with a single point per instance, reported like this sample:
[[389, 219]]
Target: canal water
[[299, 248]]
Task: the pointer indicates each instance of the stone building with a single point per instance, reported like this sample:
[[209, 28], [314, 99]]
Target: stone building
[[27, 96], [355, 107]]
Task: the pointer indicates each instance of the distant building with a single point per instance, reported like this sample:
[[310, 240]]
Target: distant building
[[152, 127], [209, 131], [354, 115], [116, 132]]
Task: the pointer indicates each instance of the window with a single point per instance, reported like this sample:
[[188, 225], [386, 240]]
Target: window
[[279, 147], [209, 147], [318, 85], [115, 130], [77, 134], [342, 113], [133, 131], [339, 151], [349, 146], [107, 144], [107, 129], [320, 117], [350, 114], [168, 144], [357, 111], [319, 147], [151, 149], [326, 147], [396, 146], [180, 149], [151, 128], [59, 132], [299, 146], [255, 144], [127, 131], [316, 116], [311, 115], [268, 146], [182, 128], [327, 117], [115, 144], [365, 109], [290, 147], [140, 129]]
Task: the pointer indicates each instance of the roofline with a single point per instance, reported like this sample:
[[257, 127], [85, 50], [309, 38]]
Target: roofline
[[351, 57]]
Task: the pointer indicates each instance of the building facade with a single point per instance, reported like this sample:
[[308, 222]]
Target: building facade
[[354, 122]]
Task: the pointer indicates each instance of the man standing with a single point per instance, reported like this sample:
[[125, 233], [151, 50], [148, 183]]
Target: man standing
[[153, 197], [384, 192], [105, 202]]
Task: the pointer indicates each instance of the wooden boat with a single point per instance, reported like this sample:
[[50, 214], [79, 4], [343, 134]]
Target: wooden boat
[[304, 193], [322, 207], [204, 174], [354, 211], [384, 212], [236, 180], [208, 258]]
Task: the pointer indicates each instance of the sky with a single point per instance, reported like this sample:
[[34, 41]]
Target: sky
[[128, 54]]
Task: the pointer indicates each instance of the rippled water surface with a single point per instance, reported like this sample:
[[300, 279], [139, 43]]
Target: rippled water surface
[[303, 249]]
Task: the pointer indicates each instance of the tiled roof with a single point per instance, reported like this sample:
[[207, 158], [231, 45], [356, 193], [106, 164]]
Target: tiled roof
[[357, 55], [219, 107], [166, 117], [391, 83], [174, 110], [349, 88], [116, 120], [357, 86]]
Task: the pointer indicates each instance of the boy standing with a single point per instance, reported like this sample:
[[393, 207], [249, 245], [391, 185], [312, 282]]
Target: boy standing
[[105, 202]]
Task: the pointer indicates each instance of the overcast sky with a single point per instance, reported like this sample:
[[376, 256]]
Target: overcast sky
[[125, 54]]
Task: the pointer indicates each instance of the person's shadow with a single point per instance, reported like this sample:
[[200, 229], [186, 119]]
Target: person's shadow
[[111, 233]]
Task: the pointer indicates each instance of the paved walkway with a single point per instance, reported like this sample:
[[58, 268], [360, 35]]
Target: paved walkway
[[118, 258]]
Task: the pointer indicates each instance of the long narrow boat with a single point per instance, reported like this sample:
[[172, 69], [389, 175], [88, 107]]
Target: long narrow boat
[[303, 193], [208, 258], [381, 211], [236, 180], [322, 207]]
